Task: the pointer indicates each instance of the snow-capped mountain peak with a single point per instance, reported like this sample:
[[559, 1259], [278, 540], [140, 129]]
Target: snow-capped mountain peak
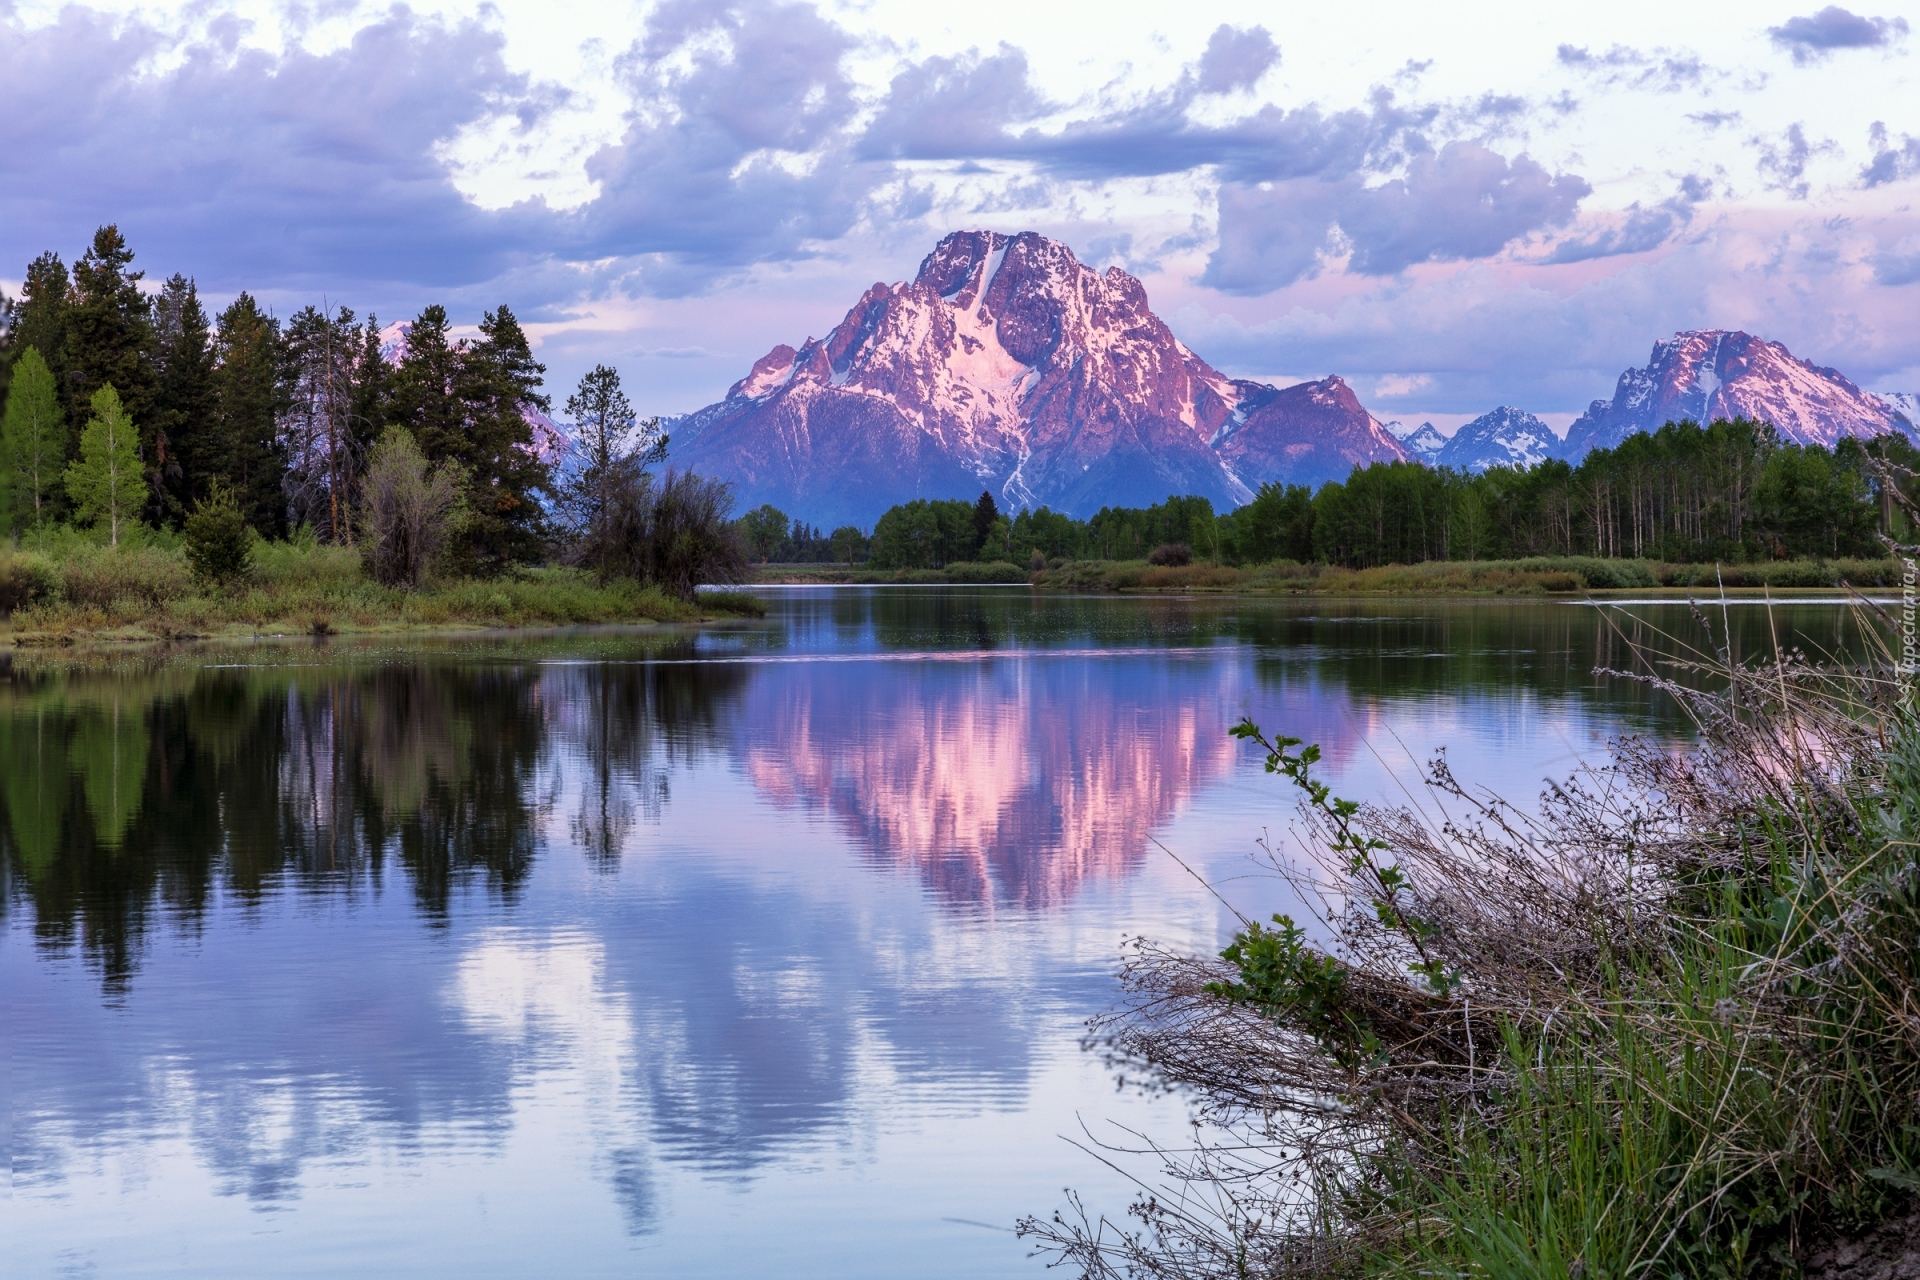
[[1506, 437], [1007, 364], [1424, 442], [1705, 375]]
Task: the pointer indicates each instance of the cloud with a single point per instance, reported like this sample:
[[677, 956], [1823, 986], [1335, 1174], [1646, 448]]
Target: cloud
[[1657, 70], [953, 108], [1815, 36], [1899, 264], [1464, 201], [1889, 163], [1236, 59], [738, 151], [1783, 162], [1643, 228], [245, 165]]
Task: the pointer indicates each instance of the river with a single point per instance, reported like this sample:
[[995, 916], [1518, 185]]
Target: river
[[761, 951]]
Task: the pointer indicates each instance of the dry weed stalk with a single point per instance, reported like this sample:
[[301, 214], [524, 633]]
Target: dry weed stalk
[[1715, 943]]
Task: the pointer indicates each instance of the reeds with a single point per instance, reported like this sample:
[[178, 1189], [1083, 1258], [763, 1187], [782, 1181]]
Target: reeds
[[1667, 1026]]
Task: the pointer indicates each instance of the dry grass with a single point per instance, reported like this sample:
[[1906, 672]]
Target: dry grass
[[1664, 1028]]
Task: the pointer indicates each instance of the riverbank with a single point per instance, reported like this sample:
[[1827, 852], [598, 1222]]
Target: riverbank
[[1543, 576], [148, 593], [1661, 1027]]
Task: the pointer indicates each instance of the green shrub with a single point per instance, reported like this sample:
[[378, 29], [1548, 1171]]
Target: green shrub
[[26, 578], [218, 541]]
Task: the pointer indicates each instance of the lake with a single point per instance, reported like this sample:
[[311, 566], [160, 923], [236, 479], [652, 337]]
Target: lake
[[762, 950]]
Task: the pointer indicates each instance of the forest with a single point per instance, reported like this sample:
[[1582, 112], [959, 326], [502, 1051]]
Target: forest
[[215, 449], [1731, 491]]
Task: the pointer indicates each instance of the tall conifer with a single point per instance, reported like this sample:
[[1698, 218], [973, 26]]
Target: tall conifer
[[500, 385], [184, 408], [109, 333], [244, 451]]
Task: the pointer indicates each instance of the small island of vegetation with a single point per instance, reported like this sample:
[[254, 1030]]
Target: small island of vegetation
[[167, 474]]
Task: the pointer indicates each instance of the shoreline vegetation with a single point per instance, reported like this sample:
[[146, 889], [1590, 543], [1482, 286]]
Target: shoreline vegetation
[[1534, 576], [165, 473], [61, 588], [1663, 1026]]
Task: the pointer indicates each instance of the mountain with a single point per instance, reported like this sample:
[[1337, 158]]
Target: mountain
[[1007, 364], [1424, 442], [1906, 407], [1507, 437], [1705, 375]]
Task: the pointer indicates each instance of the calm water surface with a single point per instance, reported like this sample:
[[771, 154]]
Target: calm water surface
[[765, 951]]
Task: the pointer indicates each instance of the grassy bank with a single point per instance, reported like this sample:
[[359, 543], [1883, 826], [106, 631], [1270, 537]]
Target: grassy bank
[[965, 573], [73, 588], [1540, 576], [1664, 1028]]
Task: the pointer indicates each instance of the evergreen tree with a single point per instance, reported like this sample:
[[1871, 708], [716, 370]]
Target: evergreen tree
[[986, 512], [244, 450], [33, 440], [372, 389], [426, 389], [40, 313], [106, 482], [109, 333], [507, 472], [184, 410], [608, 441]]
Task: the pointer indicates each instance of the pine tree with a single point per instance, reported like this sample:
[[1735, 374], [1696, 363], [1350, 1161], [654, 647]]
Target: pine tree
[[33, 440], [184, 411], [244, 450], [109, 333], [40, 313], [499, 386], [609, 443], [106, 482], [426, 397]]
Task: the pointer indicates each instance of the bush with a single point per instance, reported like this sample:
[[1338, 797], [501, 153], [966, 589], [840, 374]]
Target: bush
[[105, 577], [25, 578], [1171, 553], [218, 542], [689, 540], [410, 512]]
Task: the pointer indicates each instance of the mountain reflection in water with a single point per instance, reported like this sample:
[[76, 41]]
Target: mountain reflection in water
[[342, 929]]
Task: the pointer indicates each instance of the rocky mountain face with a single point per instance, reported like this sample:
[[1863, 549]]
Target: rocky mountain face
[[1906, 407], [1007, 364], [1424, 442], [1507, 437], [1705, 375]]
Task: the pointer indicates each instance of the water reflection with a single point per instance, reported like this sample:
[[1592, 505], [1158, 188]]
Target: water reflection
[[614, 907]]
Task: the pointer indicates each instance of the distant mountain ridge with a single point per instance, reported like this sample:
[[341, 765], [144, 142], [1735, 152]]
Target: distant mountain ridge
[[1007, 364], [1708, 374]]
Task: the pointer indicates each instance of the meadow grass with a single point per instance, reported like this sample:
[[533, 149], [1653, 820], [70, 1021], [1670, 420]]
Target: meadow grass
[[62, 586]]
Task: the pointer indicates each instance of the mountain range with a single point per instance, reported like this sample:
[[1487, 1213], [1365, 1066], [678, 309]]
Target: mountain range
[[1006, 364]]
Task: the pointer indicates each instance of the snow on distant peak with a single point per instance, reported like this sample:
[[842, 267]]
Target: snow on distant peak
[[1424, 441], [1506, 437]]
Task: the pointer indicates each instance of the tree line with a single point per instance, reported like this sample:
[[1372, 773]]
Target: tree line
[[1731, 491], [124, 405]]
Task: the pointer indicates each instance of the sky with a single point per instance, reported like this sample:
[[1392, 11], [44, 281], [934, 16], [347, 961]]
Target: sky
[[1453, 207]]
